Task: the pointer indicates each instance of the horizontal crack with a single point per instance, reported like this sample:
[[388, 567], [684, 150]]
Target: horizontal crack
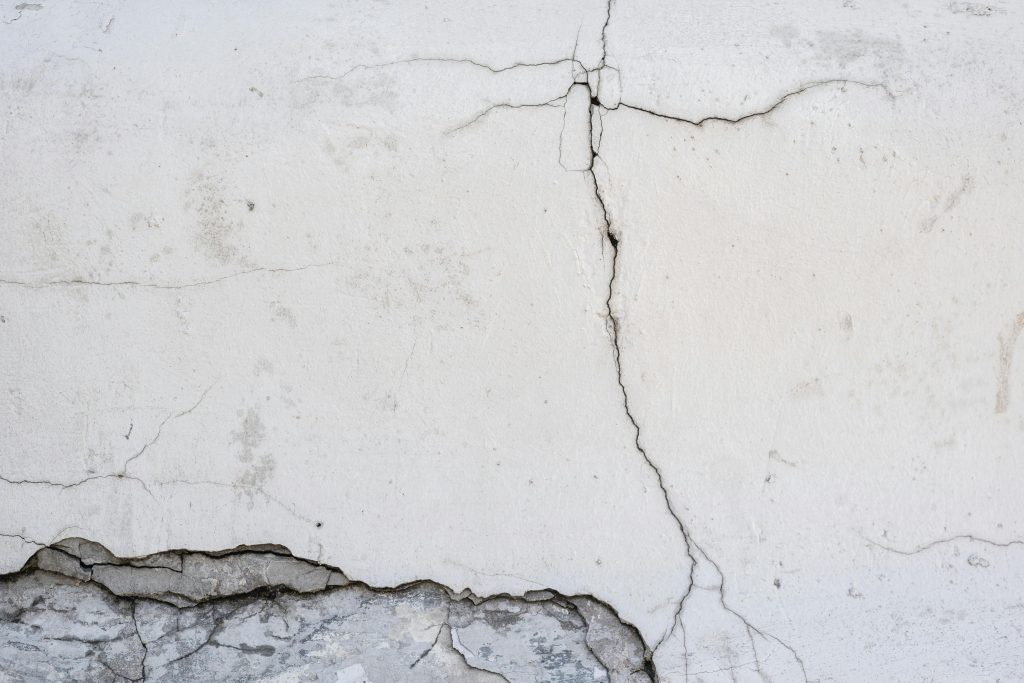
[[943, 541], [74, 484], [154, 285], [24, 538], [764, 112], [440, 60]]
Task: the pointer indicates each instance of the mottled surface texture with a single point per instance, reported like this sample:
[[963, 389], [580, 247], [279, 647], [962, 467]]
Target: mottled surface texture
[[77, 613], [713, 310]]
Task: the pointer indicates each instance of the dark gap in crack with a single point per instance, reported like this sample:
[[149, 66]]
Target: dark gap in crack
[[138, 634], [615, 329], [699, 123], [426, 652], [75, 484], [140, 563], [604, 33]]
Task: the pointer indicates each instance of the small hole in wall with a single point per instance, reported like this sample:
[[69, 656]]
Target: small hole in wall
[[319, 524]]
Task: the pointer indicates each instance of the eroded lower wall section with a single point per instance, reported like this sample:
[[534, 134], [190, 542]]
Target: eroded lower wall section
[[76, 612]]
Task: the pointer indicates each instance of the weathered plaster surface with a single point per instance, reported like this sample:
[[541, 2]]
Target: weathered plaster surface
[[706, 311]]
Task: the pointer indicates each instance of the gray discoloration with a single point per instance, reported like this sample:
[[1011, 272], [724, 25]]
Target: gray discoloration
[[977, 9], [256, 476], [250, 435], [77, 612], [216, 226], [1007, 346], [520, 639], [951, 202]]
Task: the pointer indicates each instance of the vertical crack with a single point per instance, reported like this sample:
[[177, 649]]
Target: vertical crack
[[604, 32], [613, 236], [614, 330], [138, 634]]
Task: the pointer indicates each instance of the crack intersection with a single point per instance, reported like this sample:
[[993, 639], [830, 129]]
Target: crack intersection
[[612, 234], [614, 237]]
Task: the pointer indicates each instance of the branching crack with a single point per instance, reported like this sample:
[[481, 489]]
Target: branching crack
[[440, 629], [504, 105], [615, 332], [614, 239], [123, 474], [160, 427], [446, 632], [218, 624], [429, 649]]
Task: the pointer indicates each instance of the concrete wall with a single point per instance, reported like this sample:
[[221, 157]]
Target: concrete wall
[[703, 313]]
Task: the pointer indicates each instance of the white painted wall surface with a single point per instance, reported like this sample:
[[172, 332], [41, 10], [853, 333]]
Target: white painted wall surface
[[337, 277]]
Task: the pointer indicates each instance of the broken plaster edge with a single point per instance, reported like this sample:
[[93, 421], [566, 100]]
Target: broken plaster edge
[[150, 561]]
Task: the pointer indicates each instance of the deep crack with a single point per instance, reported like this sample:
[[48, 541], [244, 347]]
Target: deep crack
[[614, 237]]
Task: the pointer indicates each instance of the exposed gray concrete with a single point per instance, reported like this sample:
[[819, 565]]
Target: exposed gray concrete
[[77, 612]]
